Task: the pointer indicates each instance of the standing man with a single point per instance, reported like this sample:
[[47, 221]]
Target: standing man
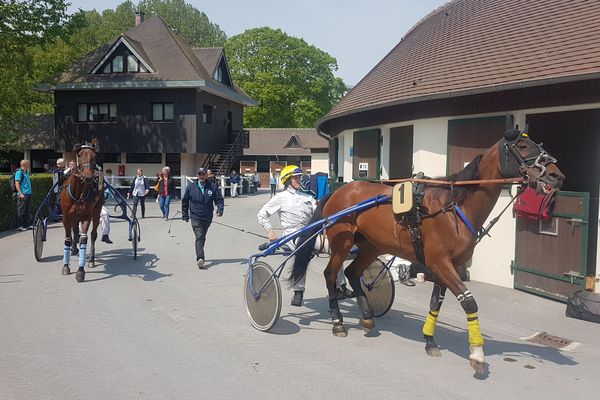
[[140, 187], [23, 186], [198, 203], [295, 209], [256, 181], [234, 179]]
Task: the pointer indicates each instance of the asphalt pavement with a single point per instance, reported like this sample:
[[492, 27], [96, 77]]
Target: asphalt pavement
[[159, 328]]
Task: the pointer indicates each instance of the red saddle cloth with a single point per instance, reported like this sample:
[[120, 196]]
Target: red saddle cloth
[[533, 206]]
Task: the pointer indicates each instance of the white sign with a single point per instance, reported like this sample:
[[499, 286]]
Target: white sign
[[363, 166]]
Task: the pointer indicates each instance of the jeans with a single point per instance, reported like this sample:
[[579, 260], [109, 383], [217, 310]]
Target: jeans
[[164, 202], [273, 189], [200, 228], [23, 211], [142, 201]]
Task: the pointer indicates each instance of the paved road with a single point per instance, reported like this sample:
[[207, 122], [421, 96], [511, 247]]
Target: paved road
[[158, 328]]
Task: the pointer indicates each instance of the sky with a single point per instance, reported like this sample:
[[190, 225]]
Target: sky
[[358, 33]]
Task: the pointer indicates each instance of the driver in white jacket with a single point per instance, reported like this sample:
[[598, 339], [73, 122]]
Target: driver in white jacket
[[295, 209]]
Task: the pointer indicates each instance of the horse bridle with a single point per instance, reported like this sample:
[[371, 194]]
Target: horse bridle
[[82, 166], [517, 164]]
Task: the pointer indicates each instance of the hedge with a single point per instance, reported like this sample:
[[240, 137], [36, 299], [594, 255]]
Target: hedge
[[40, 184]]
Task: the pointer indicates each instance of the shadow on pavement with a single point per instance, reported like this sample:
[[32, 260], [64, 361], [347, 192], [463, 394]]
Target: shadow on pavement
[[409, 326], [214, 263], [121, 262]]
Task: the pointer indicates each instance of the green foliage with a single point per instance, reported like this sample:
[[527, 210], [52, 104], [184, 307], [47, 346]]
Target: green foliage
[[292, 80], [24, 24], [190, 22], [40, 184]]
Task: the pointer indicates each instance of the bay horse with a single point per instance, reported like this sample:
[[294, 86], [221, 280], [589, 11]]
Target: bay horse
[[447, 239], [81, 201]]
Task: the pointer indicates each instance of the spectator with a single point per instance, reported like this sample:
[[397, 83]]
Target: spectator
[[198, 203], [71, 167], [234, 179], [23, 186], [210, 176], [256, 181], [58, 177], [273, 182], [140, 187], [166, 190], [47, 167]]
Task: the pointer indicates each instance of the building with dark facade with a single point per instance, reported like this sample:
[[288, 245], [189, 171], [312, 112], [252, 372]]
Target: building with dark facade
[[150, 99]]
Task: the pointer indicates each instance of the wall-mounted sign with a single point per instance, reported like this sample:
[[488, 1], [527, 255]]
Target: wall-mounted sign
[[363, 170]]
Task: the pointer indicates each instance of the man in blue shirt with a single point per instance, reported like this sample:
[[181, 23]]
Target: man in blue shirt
[[23, 185], [198, 203]]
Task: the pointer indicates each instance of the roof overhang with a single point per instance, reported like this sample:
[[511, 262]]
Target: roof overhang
[[321, 128], [204, 85]]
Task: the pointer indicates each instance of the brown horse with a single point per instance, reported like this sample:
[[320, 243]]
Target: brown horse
[[447, 240], [81, 201]]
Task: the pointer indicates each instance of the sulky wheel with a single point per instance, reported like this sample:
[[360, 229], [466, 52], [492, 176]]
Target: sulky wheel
[[378, 285], [135, 238], [38, 239], [263, 312]]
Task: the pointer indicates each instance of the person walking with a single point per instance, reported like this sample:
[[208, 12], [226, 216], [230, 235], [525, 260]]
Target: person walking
[[140, 187], [198, 204], [166, 190], [295, 209], [23, 188], [273, 182], [256, 181], [234, 179]]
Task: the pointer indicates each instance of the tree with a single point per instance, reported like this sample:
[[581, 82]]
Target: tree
[[292, 80], [23, 24]]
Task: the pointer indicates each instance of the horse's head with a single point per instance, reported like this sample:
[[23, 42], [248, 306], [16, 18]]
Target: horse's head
[[521, 156], [86, 160]]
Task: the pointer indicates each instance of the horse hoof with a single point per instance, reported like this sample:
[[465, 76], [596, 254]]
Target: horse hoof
[[480, 368], [367, 324], [80, 276], [66, 270], [339, 330], [433, 351]]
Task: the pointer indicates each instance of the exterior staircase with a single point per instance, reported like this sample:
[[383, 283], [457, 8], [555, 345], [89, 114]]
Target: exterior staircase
[[229, 156]]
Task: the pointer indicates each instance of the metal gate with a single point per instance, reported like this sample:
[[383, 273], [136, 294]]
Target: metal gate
[[551, 256]]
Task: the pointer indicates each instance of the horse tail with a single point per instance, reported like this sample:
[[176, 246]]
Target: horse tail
[[305, 252]]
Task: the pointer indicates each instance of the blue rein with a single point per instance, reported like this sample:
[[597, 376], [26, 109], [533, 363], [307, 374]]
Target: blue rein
[[466, 221]]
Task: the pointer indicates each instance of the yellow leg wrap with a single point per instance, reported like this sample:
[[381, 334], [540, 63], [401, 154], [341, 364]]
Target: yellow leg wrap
[[475, 337], [429, 327]]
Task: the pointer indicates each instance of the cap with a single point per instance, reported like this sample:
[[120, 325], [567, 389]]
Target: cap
[[201, 171]]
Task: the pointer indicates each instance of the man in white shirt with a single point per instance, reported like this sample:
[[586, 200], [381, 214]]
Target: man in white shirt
[[295, 209]]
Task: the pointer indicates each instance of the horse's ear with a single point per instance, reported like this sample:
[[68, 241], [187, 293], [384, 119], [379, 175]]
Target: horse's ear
[[511, 134], [94, 143], [76, 148]]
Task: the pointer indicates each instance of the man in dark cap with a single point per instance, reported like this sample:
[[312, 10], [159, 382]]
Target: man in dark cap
[[198, 204]]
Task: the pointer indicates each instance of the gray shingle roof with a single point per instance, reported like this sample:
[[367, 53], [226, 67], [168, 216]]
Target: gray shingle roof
[[273, 141]]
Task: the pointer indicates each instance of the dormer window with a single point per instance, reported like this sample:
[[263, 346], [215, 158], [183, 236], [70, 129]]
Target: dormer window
[[122, 58], [221, 74]]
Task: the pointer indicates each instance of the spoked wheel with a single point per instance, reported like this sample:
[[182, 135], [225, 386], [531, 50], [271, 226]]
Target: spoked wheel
[[263, 312], [135, 237], [378, 284], [38, 239]]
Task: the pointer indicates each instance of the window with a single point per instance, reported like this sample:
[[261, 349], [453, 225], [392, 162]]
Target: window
[[132, 63], [97, 112], [207, 114], [162, 112], [117, 64], [102, 158]]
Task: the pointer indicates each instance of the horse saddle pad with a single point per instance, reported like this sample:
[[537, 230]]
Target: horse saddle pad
[[402, 197]]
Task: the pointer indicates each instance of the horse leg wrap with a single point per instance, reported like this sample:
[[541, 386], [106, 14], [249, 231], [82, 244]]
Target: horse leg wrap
[[467, 302], [430, 322], [334, 311], [475, 337], [82, 250], [67, 253]]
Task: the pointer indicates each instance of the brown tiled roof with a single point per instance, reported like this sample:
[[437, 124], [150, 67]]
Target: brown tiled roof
[[272, 141], [469, 46], [39, 134], [209, 56]]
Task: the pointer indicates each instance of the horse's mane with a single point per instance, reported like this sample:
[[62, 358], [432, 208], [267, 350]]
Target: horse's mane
[[458, 194]]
